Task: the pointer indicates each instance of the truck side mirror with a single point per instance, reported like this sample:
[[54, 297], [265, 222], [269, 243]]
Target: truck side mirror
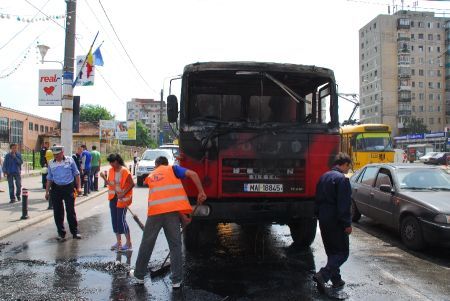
[[172, 108]]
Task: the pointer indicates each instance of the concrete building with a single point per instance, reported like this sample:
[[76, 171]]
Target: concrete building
[[23, 128], [402, 67], [147, 111]]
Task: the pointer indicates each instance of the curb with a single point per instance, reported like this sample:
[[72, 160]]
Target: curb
[[42, 217]]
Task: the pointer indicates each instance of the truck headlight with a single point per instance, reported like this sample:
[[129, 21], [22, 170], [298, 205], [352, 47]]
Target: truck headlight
[[442, 218]]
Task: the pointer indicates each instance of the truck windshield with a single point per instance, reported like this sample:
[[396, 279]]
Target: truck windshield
[[255, 98], [373, 142]]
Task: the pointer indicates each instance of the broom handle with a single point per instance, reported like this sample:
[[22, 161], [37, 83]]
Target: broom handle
[[135, 217]]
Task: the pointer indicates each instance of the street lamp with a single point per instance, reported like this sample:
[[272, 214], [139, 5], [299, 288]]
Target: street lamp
[[43, 51]]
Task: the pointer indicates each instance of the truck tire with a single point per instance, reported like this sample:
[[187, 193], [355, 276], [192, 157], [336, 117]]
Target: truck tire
[[198, 235], [356, 215], [140, 181], [303, 232]]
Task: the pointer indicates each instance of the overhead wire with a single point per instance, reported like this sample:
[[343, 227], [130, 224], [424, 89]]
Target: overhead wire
[[40, 10], [23, 29], [124, 49]]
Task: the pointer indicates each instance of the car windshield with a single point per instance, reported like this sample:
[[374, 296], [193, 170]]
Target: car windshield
[[374, 142], [153, 154], [423, 178], [174, 150]]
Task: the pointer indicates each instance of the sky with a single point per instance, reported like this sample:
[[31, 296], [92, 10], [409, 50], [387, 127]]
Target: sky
[[161, 37]]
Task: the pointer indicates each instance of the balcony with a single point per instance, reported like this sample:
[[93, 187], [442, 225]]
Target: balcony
[[404, 96], [404, 113], [403, 23]]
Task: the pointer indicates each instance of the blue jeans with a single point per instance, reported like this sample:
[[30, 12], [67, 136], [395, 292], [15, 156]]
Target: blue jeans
[[17, 178], [118, 218]]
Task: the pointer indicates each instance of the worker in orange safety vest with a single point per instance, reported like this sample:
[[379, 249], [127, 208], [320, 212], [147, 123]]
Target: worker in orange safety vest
[[167, 203], [120, 194]]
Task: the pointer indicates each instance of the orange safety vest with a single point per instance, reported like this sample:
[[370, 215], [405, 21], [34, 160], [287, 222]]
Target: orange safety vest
[[166, 192], [116, 188]]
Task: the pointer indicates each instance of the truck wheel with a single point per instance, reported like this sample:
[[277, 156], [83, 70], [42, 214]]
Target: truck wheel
[[411, 233], [303, 232], [198, 235], [140, 181], [356, 215]]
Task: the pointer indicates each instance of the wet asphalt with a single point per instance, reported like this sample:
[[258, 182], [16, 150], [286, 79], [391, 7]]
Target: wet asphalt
[[240, 263]]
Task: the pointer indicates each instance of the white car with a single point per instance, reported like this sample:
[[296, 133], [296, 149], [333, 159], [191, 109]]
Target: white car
[[426, 158], [173, 147], [147, 163]]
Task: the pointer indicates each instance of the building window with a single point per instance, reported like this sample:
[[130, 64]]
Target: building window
[[374, 25], [413, 84], [362, 56], [430, 25], [420, 72], [420, 108], [30, 126], [16, 131], [438, 84], [375, 73], [420, 84], [439, 97], [376, 49], [36, 127], [4, 130], [420, 36], [430, 37], [420, 24], [412, 48], [41, 128], [430, 108], [438, 25], [438, 37], [431, 120], [412, 36], [413, 96], [413, 108], [430, 85], [439, 120], [438, 49], [412, 23], [430, 48], [439, 109], [413, 72], [413, 60], [46, 129], [420, 48], [421, 97]]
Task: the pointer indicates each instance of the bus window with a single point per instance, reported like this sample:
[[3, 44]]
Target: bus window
[[373, 142]]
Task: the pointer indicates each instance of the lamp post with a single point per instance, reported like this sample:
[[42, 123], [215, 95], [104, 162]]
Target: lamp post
[[43, 51]]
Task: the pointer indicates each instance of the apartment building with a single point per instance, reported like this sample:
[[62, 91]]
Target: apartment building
[[404, 69], [148, 112]]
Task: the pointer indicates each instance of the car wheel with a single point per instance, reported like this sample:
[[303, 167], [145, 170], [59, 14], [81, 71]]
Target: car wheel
[[411, 233], [140, 181], [356, 215]]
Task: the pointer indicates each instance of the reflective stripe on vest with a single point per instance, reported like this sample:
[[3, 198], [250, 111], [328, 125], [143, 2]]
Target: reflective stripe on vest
[[166, 192], [116, 188]]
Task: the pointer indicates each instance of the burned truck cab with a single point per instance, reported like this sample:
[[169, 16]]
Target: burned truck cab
[[259, 135]]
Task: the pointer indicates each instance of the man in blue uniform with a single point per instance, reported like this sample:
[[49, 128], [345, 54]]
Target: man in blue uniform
[[63, 176], [86, 169], [333, 209]]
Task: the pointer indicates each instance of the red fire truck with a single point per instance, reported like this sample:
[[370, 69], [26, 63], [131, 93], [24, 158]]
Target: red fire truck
[[259, 135]]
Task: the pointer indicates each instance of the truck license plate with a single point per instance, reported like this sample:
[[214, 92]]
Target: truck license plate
[[259, 187]]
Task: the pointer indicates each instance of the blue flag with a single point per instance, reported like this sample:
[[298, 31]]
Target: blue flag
[[98, 59]]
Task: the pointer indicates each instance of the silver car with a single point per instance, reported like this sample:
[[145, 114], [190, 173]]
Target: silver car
[[147, 163]]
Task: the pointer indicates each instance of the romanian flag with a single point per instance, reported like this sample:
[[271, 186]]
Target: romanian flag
[[89, 64], [98, 58]]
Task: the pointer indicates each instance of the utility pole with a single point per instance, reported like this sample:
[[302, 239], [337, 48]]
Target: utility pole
[[68, 72], [161, 119]]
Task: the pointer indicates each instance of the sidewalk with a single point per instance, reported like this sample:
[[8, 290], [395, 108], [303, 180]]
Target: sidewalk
[[10, 214]]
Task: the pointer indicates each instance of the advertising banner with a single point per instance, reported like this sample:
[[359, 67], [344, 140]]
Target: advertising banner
[[107, 129], [121, 130], [87, 75], [50, 87]]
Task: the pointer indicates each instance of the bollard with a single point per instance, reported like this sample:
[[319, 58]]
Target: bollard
[[24, 203], [106, 177]]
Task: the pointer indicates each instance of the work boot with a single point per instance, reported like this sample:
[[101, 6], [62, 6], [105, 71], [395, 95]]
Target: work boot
[[61, 238], [135, 280], [321, 283], [12, 201], [77, 236], [339, 283]]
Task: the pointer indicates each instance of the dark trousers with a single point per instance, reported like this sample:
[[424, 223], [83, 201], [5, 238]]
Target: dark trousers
[[60, 193], [336, 243], [93, 177], [11, 179], [44, 180]]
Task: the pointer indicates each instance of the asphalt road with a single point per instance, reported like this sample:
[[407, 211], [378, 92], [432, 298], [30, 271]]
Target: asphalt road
[[244, 264]]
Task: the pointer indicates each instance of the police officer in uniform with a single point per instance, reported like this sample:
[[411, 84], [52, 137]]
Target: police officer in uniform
[[333, 208], [63, 176]]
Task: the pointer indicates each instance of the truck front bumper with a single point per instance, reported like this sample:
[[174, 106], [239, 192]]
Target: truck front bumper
[[280, 211]]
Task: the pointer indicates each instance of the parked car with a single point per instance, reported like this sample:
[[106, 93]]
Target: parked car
[[147, 163], [426, 158], [414, 199], [173, 147], [439, 159]]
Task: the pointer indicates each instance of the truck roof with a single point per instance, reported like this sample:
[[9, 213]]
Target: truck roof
[[259, 67]]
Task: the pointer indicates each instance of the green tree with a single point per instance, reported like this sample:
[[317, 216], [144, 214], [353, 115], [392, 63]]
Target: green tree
[[142, 137], [414, 126], [94, 113]]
